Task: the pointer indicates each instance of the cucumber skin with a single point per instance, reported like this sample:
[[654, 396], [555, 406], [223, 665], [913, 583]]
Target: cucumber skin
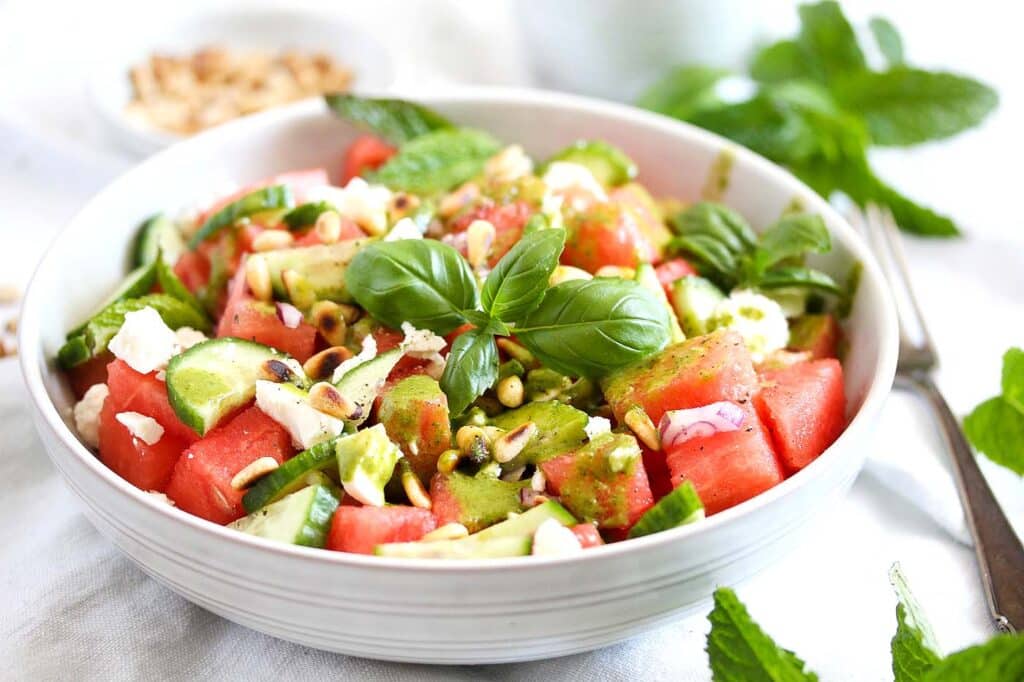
[[148, 243], [527, 522], [463, 549], [610, 165], [680, 507], [279, 482], [682, 302], [316, 522], [263, 199]]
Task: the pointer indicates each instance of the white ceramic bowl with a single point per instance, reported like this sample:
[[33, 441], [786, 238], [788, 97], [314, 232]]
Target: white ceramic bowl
[[441, 611], [247, 28]]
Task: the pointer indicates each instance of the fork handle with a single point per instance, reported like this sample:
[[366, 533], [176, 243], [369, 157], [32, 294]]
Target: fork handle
[[998, 549]]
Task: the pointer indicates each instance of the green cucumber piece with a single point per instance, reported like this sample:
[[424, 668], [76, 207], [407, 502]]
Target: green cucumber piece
[[647, 277], [214, 378], [528, 522], [466, 548], [301, 518], [560, 429], [695, 299], [173, 286], [305, 215], [609, 164], [158, 234], [95, 335], [362, 383], [322, 269], [258, 201], [678, 508], [138, 282]]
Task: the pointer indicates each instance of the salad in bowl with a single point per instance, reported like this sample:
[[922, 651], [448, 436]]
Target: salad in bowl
[[460, 352]]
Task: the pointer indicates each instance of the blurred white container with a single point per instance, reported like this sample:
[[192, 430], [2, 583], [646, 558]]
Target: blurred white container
[[616, 48]]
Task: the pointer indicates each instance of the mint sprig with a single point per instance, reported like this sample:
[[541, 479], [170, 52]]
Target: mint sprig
[[914, 650], [996, 427]]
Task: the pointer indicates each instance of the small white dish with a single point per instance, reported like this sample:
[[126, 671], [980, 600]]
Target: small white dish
[[267, 29], [424, 611]]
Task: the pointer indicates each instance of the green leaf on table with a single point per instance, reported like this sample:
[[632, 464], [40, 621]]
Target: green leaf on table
[[740, 651], [996, 429], [437, 161], [828, 40], [421, 281], [762, 125], [395, 120], [471, 368], [683, 91], [1013, 378], [888, 38], [998, 660], [778, 62], [910, 216], [517, 283], [914, 650], [904, 106]]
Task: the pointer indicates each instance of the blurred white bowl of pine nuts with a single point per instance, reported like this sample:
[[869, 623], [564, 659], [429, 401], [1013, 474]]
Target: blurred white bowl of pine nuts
[[214, 66]]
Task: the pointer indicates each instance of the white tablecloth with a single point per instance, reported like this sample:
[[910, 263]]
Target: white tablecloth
[[73, 608]]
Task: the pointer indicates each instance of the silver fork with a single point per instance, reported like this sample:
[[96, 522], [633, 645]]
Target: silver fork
[[997, 548]]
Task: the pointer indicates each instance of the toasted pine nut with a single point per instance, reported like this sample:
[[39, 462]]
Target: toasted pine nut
[[349, 313], [514, 350], [615, 271], [257, 276], [448, 461], [538, 482], [329, 321], [300, 291], [449, 531], [324, 397], [479, 239], [256, 469], [454, 201], [413, 487], [565, 273], [328, 227], [272, 240], [512, 443], [321, 366], [510, 391], [9, 293], [465, 436], [642, 426], [508, 165], [277, 371], [402, 205]]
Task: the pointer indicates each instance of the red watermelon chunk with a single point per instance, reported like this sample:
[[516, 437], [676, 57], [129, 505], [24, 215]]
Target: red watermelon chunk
[[360, 529], [414, 412], [698, 371], [145, 394], [246, 318], [729, 467], [474, 501], [589, 487], [147, 467], [587, 534], [657, 472], [201, 481], [804, 408]]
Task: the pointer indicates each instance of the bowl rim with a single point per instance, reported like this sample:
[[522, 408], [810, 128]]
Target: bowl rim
[[881, 382]]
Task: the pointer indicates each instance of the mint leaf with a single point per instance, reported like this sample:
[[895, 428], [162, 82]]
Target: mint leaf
[[999, 660], [395, 120], [683, 91], [888, 38], [914, 650], [778, 62], [996, 430], [740, 651], [828, 40], [438, 161], [1013, 378], [905, 106], [471, 368], [792, 236]]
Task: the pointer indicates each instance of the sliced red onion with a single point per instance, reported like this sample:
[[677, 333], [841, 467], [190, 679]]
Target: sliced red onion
[[289, 315], [528, 497], [679, 426]]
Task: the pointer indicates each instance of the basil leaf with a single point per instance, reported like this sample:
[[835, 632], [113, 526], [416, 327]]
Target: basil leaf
[[438, 161], [420, 281], [263, 199], [792, 236], [683, 91], [799, 278], [589, 327], [888, 38], [471, 368], [395, 120], [1001, 658], [914, 650], [779, 62], [905, 106], [829, 42], [519, 280], [486, 323]]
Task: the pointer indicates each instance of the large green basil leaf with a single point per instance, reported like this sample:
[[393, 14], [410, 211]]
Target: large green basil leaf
[[420, 281], [589, 327], [396, 120], [263, 199], [518, 282], [471, 368], [437, 161]]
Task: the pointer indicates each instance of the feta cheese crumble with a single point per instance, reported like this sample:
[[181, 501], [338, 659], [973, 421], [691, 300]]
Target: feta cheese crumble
[[289, 407], [360, 201], [575, 182], [553, 539], [758, 319], [508, 165], [87, 414], [188, 337], [595, 426], [406, 228], [144, 342], [367, 352], [146, 429]]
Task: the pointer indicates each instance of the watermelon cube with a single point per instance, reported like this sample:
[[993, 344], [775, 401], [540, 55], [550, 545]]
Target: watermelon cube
[[728, 467], [414, 412], [147, 467], [587, 534], [474, 501], [131, 391], [804, 408], [246, 318], [603, 482], [360, 529], [698, 371], [201, 481]]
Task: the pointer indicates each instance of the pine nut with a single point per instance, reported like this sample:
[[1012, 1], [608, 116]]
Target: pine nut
[[465, 436], [256, 469], [449, 531], [257, 276], [453, 202], [448, 461], [329, 321], [277, 371], [510, 391], [300, 291], [349, 313], [538, 482], [512, 443], [321, 366], [328, 227], [642, 426], [272, 240], [479, 239], [324, 397], [9, 294], [615, 271], [402, 205], [514, 350], [565, 273], [413, 487]]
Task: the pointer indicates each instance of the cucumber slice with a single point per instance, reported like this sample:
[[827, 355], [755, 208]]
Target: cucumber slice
[[646, 276], [158, 234], [94, 337], [695, 299], [263, 199], [321, 268], [560, 428], [305, 215], [528, 522], [678, 508], [173, 286], [466, 548], [290, 476], [214, 378], [609, 164], [362, 383], [137, 283], [302, 518]]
